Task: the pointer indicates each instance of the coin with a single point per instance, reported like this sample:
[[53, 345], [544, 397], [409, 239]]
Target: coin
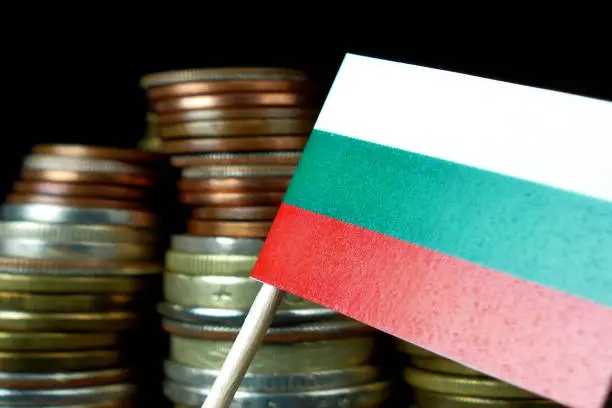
[[79, 164], [79, 233], [238, 184], [42, 267], [438, 400], [78, 322], [469, 386], [253, 213], [235, 318], [75, 202], [112, 393], [246, 229], [221, 74], [49, 362], [224, 158], [276, 358], [234, 144], [443, 365], [64, 176], [413, 350], [73, 284], [249, 198], [231, 100], [338, 328], [63, 302], [229, 86], [241, 113], [106, 191], [293, 382], [261, 172], [128, 155], [190, 244], [361, 396], [226, 292], [62, 380], [210, 264], [56, 341], [237, 127]]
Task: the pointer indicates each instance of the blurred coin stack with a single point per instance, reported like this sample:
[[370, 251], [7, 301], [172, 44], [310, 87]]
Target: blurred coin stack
[[437, 382], [77, 269], [237, 135]]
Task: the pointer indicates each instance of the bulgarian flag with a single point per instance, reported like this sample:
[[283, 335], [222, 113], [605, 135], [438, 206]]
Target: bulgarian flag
[[468, 216]]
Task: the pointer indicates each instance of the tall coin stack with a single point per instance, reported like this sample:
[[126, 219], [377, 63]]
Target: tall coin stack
[[237, 134], [77, 256], [437, 382]]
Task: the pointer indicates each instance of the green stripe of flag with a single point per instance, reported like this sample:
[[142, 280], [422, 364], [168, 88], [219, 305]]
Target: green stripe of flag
[[535, 232]]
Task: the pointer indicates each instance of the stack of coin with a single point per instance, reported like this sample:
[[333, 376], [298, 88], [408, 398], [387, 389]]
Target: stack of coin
[[77, 263], [237, 134], [437, 382], [310, 357]]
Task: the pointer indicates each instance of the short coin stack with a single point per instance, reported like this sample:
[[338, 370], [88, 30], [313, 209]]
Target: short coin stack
[[77, 252], [311, 357], [441, 383]]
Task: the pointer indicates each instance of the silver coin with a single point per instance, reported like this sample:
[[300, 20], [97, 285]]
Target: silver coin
[[61, 380], [346, 397], [221, 157], [239, 170], [202, 378], [65, 396], [59, 214], [73, 251], [231, 317], [338, 328], [50, 162], [216, 245], [17, 266]]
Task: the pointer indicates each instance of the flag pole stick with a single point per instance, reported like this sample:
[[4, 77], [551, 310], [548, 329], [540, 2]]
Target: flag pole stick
[[244, 348]]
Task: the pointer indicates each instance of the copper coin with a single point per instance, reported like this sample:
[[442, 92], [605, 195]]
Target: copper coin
[[128, 155], [73, 202], [237, 127], [86, 177], [231, 198], [235, 213], [221, 74], [216, 87], [235, 184], [79, 190], [246, 229], [244, 113], [235, 144], [234, 100], [237, 158]]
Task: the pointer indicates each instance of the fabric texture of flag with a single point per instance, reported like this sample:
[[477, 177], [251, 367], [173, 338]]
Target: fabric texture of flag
[[469, 216]]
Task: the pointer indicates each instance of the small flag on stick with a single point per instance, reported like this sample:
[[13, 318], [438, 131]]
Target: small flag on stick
[[469, 216]]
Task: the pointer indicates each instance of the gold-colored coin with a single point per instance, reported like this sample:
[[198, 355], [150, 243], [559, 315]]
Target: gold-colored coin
[[276, 358], [97, 322], [63, 302], [220, 292], [470, 386], [413, 350], [72, 284], [443, 365], [438, 400], [37, 362], [56, 341], [221, 265]]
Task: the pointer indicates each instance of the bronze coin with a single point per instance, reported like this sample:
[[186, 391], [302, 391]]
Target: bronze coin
[[73, 202], [216, 87], [80, 190], [231, 198], [236, 158], [235, 184], [235, 213], [237, 127], [246, 229], [128, 155], [64, 176], [241, 113], [235, 144], [233, 100]]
